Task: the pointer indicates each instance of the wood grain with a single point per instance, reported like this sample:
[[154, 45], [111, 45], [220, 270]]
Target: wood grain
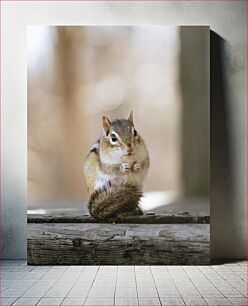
[[118, 244], [145, 219]]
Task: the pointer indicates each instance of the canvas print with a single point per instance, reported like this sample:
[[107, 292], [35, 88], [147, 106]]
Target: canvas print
[[118, 145]]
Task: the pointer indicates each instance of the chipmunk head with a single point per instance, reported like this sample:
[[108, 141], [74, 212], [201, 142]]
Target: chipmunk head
[[120, 135]]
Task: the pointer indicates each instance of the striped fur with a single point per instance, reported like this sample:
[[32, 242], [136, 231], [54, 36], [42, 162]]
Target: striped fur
[[115, 200]]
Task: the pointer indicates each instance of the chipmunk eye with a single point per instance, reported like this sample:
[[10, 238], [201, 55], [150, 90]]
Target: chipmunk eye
[[113, 138], [135, 133]]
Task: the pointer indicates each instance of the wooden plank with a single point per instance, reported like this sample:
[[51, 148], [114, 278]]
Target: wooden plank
[[118, 244], [145, 219]]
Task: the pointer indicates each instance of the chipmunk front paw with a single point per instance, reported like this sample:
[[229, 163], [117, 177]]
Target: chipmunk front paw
[[125, 167], [136, 166]]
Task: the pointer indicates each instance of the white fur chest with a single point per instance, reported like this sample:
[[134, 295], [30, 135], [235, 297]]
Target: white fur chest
[[101, 180]]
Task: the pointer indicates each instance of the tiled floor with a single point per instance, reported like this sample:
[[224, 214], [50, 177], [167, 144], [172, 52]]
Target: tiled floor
[[123, 285]]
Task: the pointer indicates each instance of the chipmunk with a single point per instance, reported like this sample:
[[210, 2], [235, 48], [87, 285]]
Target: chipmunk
[[115, 169]]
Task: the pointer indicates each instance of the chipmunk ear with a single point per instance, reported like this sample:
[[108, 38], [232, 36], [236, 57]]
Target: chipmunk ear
[[106, 123], [130, 118]]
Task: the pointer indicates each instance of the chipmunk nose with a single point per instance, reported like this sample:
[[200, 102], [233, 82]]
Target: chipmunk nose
[[129, 150]]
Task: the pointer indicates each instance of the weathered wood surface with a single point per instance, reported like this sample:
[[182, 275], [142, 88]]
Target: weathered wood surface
[[145, 219], [118, 244]]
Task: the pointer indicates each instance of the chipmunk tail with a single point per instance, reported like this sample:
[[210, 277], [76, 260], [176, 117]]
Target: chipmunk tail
[[115, 200]]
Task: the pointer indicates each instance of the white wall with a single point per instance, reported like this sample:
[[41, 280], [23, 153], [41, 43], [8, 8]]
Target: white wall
[[227, 19]]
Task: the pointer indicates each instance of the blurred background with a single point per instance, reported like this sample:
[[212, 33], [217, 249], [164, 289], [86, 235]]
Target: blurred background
[[76, 74]]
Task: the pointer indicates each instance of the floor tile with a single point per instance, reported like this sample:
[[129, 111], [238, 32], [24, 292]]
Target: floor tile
[[41, 268], [166, 301], [15, 275], [75, 269], [189, 292], [106, 274], [164, 292], [73, 301], [239, 301], [99, 301], [33, 275], [27, 301], [143, 282], [126, 292], [50, 301], [194, 301], [121, 301], [7, 301], [217, 301], [79, 291], [126, 285], [91, 269], [230, 292], [58, 268], [165, 284], [147, 292], [108, 269], [13, 292], [38, 290], [58, 291], [125, 269], [149, 301], [102, 292], [85, 280], [210, 292], [104, 283]]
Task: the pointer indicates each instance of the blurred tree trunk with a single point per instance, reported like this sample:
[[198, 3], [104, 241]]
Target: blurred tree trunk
[[71, 54], [194, 66], [54, 120]]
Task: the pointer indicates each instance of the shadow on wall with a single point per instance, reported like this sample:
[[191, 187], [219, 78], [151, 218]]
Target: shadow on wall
[[220, 166], [194, 83]]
